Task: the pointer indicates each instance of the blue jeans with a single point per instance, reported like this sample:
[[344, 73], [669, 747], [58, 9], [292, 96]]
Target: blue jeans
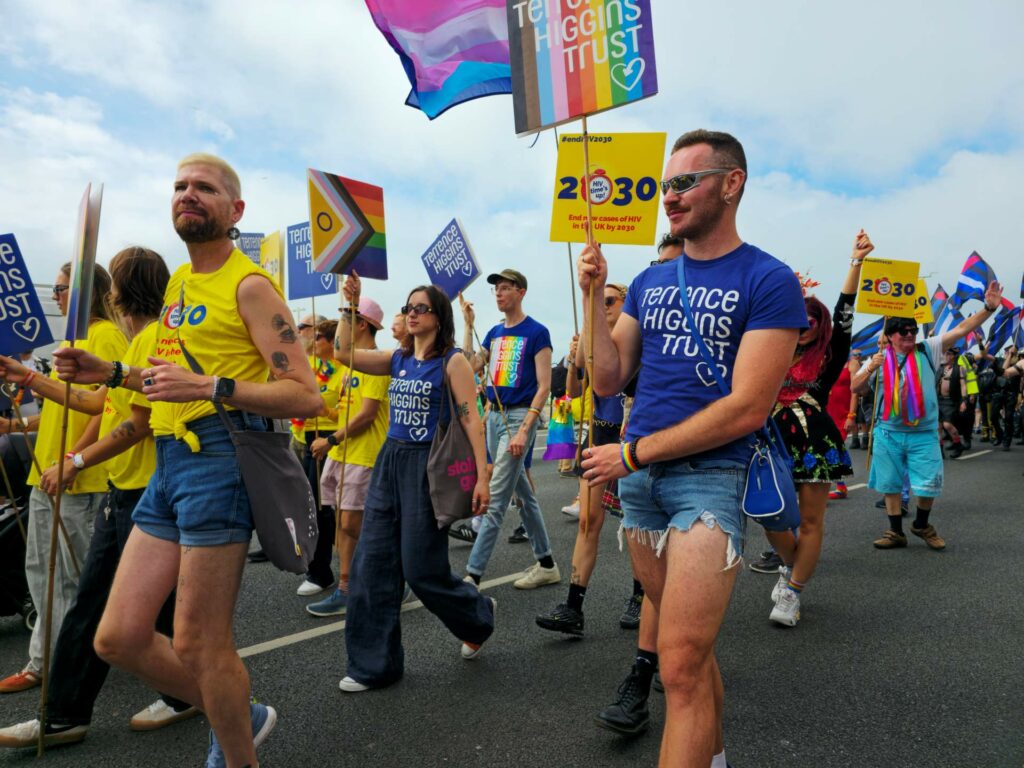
[[679, 493], [508, 477], [400, 539], [198, 499]]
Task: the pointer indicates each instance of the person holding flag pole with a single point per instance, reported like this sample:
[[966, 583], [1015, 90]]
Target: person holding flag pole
[[906, 418], [73, 509]]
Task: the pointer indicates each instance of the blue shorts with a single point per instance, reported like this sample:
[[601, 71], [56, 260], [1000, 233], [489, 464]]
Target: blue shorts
[[916, 454], [198, 499], [678, 494]]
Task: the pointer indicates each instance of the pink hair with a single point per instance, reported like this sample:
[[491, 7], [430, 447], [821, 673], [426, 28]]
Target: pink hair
[[812, 357]]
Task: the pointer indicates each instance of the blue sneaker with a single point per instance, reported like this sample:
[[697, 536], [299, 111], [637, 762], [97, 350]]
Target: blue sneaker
[[333, 605], [264, 719]]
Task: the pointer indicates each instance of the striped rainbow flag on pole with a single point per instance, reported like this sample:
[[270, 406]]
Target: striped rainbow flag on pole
[[452, 50], [575, 59]]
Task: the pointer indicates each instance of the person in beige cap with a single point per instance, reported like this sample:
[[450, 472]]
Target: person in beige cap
[[364, 398], [517, 353]]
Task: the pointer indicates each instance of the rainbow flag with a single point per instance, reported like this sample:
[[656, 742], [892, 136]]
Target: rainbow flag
[[83, 265], [452, 50], [569, 62], [338, 230], [561, 433], [372, 259]]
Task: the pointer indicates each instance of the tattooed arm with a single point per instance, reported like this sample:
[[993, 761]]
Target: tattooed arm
[[118, 440], [84, 400], [460, 377]]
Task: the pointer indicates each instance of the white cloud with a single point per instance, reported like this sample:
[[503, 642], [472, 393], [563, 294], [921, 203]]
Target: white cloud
[[921, 102]]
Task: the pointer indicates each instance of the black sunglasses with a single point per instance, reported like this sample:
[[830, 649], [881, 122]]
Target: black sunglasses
[[687, 181], [303, 326], [417, 309], [59, 289], [610, 300], [907, 331]]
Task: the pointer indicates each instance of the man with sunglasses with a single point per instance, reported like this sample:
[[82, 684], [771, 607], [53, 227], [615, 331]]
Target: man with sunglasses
[[906, 434], [193, 522], [517, 353], [681, 470]]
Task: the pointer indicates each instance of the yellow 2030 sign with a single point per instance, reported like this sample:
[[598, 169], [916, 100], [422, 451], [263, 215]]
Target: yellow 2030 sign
[[888, 287]]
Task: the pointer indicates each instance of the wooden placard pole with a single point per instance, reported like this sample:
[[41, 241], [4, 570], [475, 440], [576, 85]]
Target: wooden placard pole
[[589, 343]]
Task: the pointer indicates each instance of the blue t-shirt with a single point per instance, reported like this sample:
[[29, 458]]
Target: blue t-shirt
[[511, 365], [414, 395], [745, 290], [611, 409]]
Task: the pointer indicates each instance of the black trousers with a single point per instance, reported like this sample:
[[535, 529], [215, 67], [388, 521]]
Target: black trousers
[[320, 571], [78, 674]]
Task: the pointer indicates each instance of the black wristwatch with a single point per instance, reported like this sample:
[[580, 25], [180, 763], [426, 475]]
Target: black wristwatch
[[332, 440], [223, 388]]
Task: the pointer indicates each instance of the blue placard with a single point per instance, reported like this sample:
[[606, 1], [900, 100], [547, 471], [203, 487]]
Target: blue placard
[[23, 325], [249, 244], [450, 262], [303, 281]]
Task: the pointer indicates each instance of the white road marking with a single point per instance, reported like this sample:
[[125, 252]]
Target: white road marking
[[339, 626], [856, 487], [973, 455]]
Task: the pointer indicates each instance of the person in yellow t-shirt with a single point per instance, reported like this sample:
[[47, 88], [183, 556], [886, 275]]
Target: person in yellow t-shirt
[[355, 444], [127, 451], [330, 378], [194, 521], [82, 498]]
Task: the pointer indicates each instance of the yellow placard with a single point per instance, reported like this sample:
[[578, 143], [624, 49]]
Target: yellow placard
[[888, 288], [623, 188], [272, 257], [923, 304]]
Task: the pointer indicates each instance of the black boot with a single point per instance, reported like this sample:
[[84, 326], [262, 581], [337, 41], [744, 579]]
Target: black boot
[[628, 715]]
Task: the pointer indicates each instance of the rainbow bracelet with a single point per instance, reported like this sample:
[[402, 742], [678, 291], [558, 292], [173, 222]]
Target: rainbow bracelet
[[627, 459]]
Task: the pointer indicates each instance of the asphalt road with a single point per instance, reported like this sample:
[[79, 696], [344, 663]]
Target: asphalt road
[[903, 658]]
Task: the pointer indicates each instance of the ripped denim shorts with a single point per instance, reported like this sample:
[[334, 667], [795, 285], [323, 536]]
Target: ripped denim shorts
[[679, 493]]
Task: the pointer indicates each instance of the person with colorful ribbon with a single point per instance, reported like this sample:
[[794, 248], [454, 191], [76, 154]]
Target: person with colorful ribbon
[[905, 437]]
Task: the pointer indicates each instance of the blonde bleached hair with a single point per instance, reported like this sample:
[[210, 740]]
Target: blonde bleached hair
[[234, 186], [618, 288]]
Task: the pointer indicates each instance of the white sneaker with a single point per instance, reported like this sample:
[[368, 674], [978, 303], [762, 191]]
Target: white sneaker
[[787, 609], [781, 584], [538, 576], [572, 510], [472, 650], [27, 735], [308, 588], [349, 685], [157, 715]]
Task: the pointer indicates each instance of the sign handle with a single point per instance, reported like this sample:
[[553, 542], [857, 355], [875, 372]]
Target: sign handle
[[589, 342], [344, 449]]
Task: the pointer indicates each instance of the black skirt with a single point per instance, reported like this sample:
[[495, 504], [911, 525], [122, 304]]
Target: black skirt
[[814, 442]]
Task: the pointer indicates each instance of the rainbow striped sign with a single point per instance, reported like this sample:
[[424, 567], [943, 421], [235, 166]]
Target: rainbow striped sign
[[571, 59], [338, 227], [83, 265], [372, 259]]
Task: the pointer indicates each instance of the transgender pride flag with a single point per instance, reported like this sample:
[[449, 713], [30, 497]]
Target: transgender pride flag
[[452, 50]]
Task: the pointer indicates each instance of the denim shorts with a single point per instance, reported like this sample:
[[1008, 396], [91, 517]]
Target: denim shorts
[[677, 494], [198, 499], [916, 454]]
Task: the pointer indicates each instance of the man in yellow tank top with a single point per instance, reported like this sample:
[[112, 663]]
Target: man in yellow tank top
[[193, 523]]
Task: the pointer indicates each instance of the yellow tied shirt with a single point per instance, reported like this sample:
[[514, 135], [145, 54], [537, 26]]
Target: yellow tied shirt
[[131, 469], [364, 447], [214, 333], [106, 341]]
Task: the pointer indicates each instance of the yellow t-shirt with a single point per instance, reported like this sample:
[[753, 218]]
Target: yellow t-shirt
[[329, 376], [213, 331], [131, 469], [106, 341], [364, 447]]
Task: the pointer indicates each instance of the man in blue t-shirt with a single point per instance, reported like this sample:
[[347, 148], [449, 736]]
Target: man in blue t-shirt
[[517, 353], [682, 468]]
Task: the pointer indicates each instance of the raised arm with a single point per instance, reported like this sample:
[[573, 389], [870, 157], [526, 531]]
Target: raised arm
[[993, 300], [83, 400], [616, 353]]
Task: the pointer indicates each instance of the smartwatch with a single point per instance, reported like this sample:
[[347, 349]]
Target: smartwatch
[[332, 440], [223, 388]]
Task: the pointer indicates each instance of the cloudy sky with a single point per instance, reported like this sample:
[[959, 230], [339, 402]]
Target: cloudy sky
[[903, 118]]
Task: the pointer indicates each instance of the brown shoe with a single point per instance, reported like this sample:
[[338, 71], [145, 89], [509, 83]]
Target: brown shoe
[[891, 540], [931, 538], [20, 682]]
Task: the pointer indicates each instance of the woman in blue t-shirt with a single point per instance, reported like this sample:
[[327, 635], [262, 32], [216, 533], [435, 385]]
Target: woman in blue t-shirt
[[400, 538]]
